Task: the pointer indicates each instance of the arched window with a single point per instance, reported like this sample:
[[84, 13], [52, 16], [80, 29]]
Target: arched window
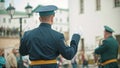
[[117, 3], [98, 5], [4, 20], [81, 6]]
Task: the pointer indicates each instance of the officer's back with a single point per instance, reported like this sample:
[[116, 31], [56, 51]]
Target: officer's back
[[43, 44]]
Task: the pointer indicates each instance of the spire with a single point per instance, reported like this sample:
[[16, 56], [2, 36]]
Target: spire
[[12, 2]]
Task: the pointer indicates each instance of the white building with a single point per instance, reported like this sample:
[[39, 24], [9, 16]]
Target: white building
[[10, 27], [91, 16], [7, 23], [61, 22]]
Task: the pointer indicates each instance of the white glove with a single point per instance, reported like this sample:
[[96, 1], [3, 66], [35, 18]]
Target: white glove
[[77, 30]]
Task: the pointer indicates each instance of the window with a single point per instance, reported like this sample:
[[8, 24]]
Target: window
[[60, 19], [4, 20], [9, 20], [117, 3], [25, 21], [67, 19], [81, 6], [98, 5], [82, 42]]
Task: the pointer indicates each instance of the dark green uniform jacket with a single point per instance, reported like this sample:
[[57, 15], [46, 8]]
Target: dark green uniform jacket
[[108, 50], [44, 43]]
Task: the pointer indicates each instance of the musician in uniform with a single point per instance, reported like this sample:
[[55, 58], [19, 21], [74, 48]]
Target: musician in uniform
[[108, 50], [44, 45]]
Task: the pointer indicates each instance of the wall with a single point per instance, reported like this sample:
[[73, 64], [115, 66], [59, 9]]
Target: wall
[[92, 22]]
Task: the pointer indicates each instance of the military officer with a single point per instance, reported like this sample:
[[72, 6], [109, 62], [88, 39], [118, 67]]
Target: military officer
[[108, 51], [43, 44]]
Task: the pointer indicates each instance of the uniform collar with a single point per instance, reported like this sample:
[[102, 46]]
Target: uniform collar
[[110, 37], [45, 25]]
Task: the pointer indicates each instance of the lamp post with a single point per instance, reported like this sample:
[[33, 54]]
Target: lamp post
[[11, 11]]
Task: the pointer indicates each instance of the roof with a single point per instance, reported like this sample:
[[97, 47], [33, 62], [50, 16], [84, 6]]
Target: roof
[[63, 9], [16, 13], [37, 7]]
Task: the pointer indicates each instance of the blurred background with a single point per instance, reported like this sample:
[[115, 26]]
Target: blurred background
[[90, 16]]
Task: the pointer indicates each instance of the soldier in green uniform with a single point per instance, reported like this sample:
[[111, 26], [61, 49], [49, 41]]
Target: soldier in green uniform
[[108, 51], [44, 45]]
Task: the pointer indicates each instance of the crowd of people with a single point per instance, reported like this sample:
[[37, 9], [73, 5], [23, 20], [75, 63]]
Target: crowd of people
[[6, 31], [12, 59]]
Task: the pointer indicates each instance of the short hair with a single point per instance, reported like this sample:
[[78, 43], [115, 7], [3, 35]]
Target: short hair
[[45, 17]]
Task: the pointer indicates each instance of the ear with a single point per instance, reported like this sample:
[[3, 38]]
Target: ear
[[40, 19], [52, 17]]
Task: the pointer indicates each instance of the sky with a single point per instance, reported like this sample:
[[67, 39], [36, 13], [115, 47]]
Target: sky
[[20, 4]]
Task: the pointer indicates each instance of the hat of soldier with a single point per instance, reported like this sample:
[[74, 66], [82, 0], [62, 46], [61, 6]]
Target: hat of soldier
[[108, 29], [46, 10]]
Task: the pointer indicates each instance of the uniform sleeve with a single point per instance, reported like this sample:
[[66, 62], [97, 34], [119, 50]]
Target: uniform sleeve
[[66, 51], [102, 48], [23, 45]]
